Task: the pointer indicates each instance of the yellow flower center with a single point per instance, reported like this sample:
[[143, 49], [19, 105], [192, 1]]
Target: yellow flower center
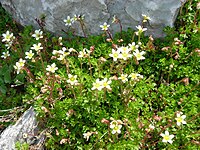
[[115, 55], [139, 55], [72, 79], [133, 76], [179, 119], [166, 137], [7, 36]]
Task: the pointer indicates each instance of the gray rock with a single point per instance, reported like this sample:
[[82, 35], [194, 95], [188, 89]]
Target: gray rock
[[24, 131], [162, 12]]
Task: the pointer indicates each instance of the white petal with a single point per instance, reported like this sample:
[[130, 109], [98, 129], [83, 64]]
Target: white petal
[[184, 122], [164, 141], [166, 133], [170, 141], [162, 134], [171, 136], [183, 116]]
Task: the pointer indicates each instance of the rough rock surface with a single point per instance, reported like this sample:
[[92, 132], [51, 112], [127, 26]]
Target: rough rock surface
[[24, 130], [162, 12]]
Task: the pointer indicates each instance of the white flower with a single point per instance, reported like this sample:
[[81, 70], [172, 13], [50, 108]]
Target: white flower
[[125, 55], [55, 52], [37, 47], [7, 37], [83, 53], [52, 68], [124, 49], [97, 85], [68, 21], [123, 77], [167, 137], [29, 55], [114, 19], [60, 39], [133, 47], [145, 18], [78, 17], [113, 124], [139, 55], [106, 83], [117, 129], [38, 34], [5, 55], [180, 118], [140, 30], [19, 65], [115, 54], [152, 127], [105, 26], [9, 44], [62, 53], [87, 135], [72, 50], [72, 79], [135, 76]]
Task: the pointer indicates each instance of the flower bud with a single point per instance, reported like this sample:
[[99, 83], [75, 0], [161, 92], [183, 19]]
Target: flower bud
[[105, 121], [185, 81]]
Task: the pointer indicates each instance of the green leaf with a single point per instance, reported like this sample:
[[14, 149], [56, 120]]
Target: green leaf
[[7, 77], [3, 88]]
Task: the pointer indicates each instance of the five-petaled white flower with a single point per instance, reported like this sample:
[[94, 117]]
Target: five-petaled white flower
[[116, 126], [97, 85], [133, 46], [180, 118], [125, 55], [117, 129], [52, 68], [5, 54], [62, 53], [106, 83], [37, 47], [72, 79], [19, 65], [87, 135], [29, 55], [140, 30], [123, 49], [38, 34], [138, 54], [115, 54], [113, 124], [68, 21], [135, 76], [123, 77], [9, 44], [84, 53], [145, 18], [105, 26], [7, 37], [167, 137]]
